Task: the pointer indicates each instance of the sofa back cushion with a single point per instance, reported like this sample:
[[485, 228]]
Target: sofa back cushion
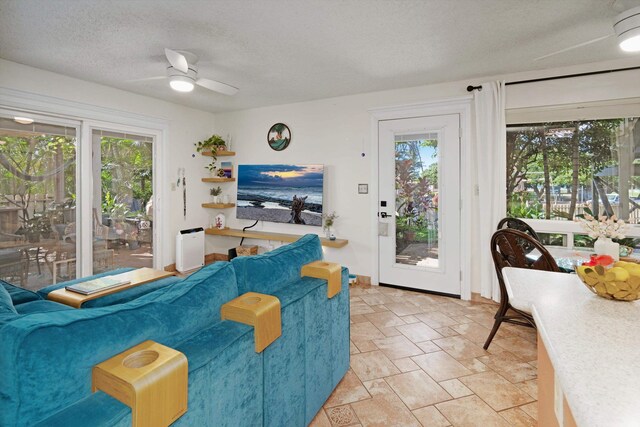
[[274, 270], [46, 358], [18, 294], [6, 305]]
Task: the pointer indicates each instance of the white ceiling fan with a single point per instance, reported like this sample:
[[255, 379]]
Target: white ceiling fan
[[626, 27], [183, 74]]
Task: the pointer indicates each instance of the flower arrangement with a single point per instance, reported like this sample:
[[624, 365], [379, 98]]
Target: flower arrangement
[[329, 219], [612, 227]]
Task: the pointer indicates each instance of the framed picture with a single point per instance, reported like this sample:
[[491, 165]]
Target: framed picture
[[279, 137]]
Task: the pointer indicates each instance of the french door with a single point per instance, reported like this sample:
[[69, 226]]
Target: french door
[[419, 203]]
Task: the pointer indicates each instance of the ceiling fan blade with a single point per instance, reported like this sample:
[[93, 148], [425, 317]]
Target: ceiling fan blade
[[575, 46], [217, 86], [147, 79], [177, 60]]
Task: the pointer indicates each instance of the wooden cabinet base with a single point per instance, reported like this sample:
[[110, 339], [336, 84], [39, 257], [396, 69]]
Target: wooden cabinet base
[[258, 310], [547, 416], [329, 271], [149, 378]]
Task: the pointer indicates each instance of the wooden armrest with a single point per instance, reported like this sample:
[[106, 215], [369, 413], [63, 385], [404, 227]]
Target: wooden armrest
[[150, 378], [329, 271], [258, 310]]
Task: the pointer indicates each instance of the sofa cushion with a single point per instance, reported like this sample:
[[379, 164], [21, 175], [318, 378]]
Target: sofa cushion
[[274, 270], [6, 305], [18, 294]]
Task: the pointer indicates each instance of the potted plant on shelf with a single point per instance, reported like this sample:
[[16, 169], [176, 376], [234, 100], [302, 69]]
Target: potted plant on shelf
[[215, 192], [212, 144]]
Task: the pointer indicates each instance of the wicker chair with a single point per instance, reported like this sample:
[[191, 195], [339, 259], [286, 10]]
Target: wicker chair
[[509, 248]]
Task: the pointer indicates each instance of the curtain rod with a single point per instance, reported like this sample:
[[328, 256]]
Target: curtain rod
[[471, 88]]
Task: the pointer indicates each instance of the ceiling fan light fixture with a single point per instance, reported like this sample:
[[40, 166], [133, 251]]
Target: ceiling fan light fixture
[[181, 83], [23, 120], [627, 29]]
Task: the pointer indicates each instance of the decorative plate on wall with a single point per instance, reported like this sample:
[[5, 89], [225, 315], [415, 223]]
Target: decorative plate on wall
[[279, 136]]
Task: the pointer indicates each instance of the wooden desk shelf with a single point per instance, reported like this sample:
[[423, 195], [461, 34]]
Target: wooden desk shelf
[[218, 205], [266, 235], [218, 179]]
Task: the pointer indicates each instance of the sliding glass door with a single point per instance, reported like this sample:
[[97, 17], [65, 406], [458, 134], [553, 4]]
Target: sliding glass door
[[37, 200], [122, 212], [75, 199]]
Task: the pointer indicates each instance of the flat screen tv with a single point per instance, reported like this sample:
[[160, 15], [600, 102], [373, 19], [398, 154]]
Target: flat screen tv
[[281, 193]]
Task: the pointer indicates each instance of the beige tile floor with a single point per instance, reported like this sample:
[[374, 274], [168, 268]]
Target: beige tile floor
[[417, 360]]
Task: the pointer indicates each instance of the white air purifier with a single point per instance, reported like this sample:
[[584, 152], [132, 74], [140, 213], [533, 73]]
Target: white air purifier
[[189, 249]]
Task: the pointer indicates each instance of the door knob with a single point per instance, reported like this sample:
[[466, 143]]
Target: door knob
[[384, 215]]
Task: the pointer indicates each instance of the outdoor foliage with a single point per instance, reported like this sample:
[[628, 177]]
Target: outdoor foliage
[[543, 158], [416, 194], [126, 175], [33, 165]]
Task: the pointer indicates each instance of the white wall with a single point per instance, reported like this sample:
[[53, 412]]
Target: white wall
[[184, 127], [334, 132], [329, 131]]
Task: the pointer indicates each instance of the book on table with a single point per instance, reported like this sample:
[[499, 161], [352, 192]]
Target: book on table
[[96, 285]]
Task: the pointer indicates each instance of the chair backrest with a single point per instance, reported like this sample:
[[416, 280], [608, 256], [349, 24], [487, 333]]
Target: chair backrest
[[518, 224], [509, 248]]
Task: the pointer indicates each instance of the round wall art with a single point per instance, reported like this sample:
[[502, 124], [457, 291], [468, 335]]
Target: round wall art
[[279, 136]]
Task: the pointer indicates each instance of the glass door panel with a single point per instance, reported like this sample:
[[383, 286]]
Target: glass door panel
[[417, 228], [37, 202], [123, 200]]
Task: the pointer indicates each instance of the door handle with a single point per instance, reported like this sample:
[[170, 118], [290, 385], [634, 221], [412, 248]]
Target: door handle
[[383, 215]]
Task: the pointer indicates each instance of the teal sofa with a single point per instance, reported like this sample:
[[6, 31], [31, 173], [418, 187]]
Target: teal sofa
[[48, 350]]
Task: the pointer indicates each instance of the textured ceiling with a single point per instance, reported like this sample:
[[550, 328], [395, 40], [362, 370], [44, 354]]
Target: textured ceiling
[[282, 51]]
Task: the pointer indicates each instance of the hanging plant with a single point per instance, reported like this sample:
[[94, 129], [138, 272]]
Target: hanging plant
[[211, 144]]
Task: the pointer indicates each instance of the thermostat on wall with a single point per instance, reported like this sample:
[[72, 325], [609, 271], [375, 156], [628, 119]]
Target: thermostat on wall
[[363, 188]]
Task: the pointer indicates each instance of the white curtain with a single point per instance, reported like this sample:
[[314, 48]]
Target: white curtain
[[489, 172]]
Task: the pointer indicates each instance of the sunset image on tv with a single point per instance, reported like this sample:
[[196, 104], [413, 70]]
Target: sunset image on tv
[[281, 193]]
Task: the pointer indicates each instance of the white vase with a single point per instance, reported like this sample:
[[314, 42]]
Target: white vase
[[216, 199], [604, 246]]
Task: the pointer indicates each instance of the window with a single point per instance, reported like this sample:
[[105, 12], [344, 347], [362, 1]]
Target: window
[[560, 170], [571, 160]]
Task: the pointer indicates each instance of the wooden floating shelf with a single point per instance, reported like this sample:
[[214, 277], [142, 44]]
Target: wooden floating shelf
[[218, 205], [218, 179], [266, 235], [219, 153]]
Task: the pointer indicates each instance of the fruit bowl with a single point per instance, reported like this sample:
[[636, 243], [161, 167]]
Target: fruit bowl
[[620, 282]]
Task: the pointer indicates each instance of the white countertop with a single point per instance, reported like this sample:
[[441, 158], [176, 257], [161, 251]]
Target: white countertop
[[593, 344]]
